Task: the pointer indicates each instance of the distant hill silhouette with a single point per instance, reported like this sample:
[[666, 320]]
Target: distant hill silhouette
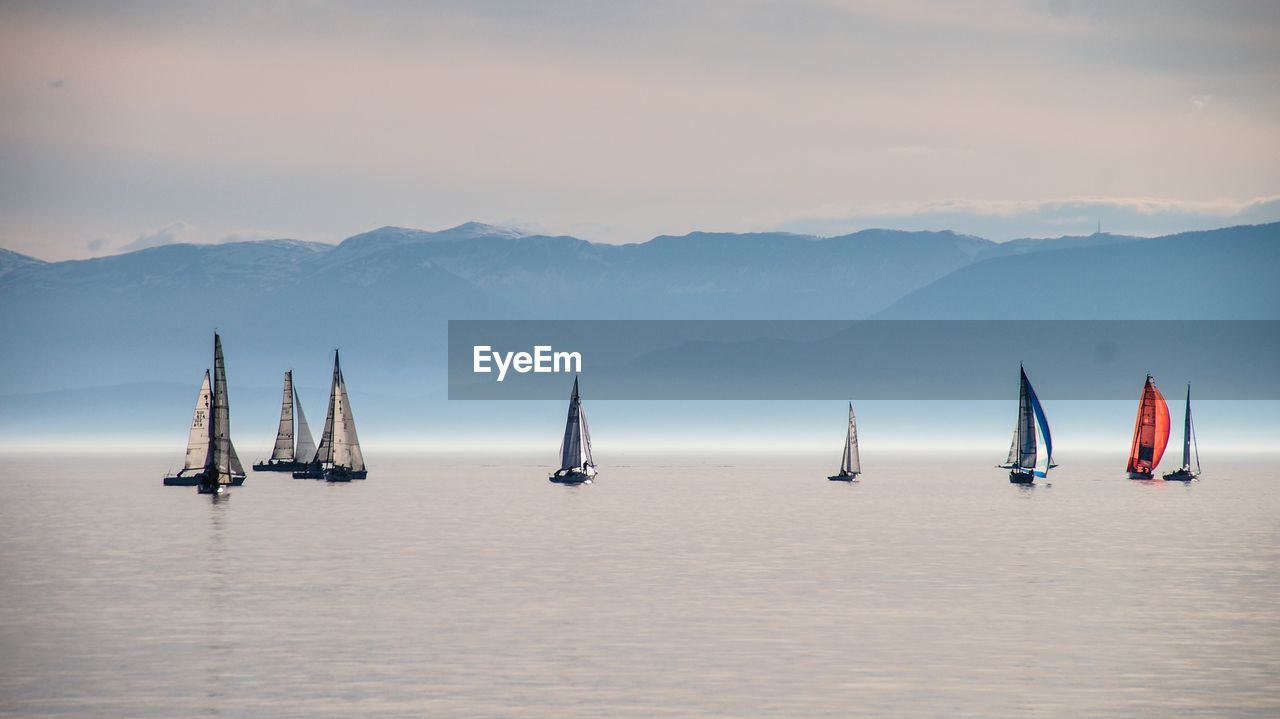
[[384, 296], [1217, 274]]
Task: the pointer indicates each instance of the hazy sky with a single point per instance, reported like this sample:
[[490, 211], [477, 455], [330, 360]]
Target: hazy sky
[[128, 124]]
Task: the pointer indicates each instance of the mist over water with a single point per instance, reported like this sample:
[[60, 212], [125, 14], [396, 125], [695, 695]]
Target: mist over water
[[678, 585]]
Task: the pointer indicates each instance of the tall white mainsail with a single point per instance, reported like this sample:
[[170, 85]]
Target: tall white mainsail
[[306, 445], [852, 461], [346, 444], [340, 445], [283, 451], [198, 440], [575, 448]]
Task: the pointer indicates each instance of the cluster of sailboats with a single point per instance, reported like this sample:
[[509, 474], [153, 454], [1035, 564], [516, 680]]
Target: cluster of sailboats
[[212, 464], [1030, 452]]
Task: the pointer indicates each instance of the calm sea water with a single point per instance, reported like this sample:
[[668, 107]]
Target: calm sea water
[[674, 587]]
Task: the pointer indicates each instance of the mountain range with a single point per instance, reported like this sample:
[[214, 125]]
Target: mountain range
[[384, 296]]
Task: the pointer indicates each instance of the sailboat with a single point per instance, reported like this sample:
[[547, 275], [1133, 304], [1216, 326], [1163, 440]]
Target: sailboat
[[1028, 457], [285, 457], [850, 463], [212, 463], [576, 465], [1150, 433], [338, 459], [1185, 474]]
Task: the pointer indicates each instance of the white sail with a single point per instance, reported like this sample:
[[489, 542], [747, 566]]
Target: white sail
[[283, 451], [575, 448], [851, 463], [306, 445], [354, 457], [198, 441]]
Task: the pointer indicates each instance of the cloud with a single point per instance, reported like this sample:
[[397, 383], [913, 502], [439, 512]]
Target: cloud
[[172, 234], [1011, 219]]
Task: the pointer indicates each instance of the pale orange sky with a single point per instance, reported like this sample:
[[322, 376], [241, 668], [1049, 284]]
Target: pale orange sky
[[619, 121]]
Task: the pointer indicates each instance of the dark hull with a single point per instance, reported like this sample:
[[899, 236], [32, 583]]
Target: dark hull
[[342, 474], [1181, 475], [844, 477], [1141, 475], [279, 466], [572, 478], [310, 472], [193, 480], [1016, 477]]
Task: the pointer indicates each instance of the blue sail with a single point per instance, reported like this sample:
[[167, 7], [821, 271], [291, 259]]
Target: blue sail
[[1044, 459]]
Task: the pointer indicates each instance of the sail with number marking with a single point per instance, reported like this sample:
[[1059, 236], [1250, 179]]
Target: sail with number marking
[[198, 440]]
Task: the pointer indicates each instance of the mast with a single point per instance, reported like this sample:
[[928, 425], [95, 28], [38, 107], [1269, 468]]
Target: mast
[[198, 440], [306, 451], [1150, 430], [283, 451]]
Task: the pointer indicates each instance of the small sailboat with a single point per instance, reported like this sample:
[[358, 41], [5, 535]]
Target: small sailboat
[[1028, 457], [850, 463], [1185, 473], [338, 459], [211, 463], [285, 457], [576, 465], [1150, 432]]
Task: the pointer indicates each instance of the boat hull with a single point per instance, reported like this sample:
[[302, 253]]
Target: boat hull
[[1181, 475], [343, 474], [1141, 475], [1017, 477], [313, 471], [844, 477], [193, 480], [279, 466], [571, 478]]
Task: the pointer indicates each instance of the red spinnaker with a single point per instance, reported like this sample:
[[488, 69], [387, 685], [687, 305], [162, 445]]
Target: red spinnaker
[[1150, 431]]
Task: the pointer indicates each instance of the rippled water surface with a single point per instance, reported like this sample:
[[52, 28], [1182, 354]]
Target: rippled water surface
[[675, 586]]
